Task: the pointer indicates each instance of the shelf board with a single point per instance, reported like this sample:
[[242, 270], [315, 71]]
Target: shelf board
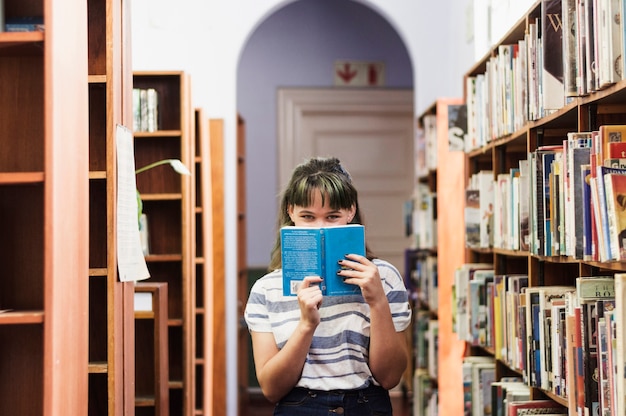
[[97, 174], [144, 401], [155, 258], [158, 133], [21, 42], [21, 317], [97, 79], [17, 178], [175, 384], [98, 367], [175, 322], [161, 197], [98, 272]]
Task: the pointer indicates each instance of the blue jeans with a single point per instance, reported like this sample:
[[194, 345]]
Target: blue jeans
[[371, 401]]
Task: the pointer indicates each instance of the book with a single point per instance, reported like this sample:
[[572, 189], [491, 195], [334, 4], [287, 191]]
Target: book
[[24, 24], [617, 155], [535, 407], [472, 218], [599, 206], [615, 195], [483, 374], [620, 344], [552, 56], [570, 48], [315, 251], [589, 291], [524, 205], [587, 224]]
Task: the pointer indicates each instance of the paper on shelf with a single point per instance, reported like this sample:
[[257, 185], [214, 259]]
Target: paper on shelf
[[130, 259]]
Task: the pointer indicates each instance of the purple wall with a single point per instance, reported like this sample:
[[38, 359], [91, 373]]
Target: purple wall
[[297, 47]]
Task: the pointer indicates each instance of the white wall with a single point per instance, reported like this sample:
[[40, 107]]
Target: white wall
[[205, 38]]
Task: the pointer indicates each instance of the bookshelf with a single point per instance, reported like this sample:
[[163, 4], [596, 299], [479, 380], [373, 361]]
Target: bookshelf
[[242, 267], [111, 369], [438, 250], [217, 272], [167, 198], [202, 289], [552, 249], [44, 206], [151, 363]]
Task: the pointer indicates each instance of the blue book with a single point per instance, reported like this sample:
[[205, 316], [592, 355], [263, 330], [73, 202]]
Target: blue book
[[316, 251]]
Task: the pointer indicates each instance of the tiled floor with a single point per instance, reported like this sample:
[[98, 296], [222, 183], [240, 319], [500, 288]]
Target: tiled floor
[[259, 406]]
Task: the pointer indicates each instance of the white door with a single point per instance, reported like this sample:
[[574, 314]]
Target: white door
[[371, 132]]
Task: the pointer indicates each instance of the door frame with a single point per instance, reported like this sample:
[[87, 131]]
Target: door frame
[[295, 103]]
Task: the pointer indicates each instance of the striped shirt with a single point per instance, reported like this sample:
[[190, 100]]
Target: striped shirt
[[338, 356]]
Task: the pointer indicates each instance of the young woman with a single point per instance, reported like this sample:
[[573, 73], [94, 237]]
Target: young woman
[[339, 354]]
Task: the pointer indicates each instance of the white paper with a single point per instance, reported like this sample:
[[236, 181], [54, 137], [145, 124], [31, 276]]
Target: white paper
[[143, 302], [130, 259]]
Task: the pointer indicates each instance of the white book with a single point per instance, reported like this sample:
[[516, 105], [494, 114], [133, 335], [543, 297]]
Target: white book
[[620, 326]]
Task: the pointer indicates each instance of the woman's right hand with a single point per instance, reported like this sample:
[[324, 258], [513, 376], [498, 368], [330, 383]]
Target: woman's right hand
[[310, 300]]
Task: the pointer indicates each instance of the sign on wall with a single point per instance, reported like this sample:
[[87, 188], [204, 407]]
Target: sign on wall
[[359, 74]]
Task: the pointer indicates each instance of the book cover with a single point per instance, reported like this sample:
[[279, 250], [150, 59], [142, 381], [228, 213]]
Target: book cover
[[478, 306], [587, 240], [552, 56], [483, 374], [617, 155], [615, 194], [613, 133], [315, 251], [485, 201], [600, 205], [524, 205], [472, 218]]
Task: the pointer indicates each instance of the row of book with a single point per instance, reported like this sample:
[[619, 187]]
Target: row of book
[[563, 200], [425, 356], [423, 217], [483, 395], [145, 109], [541, 72], [423, 279], [425, 394], [566, 340]]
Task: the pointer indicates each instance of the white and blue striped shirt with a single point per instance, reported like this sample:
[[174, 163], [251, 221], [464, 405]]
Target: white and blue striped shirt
[[338, 357]]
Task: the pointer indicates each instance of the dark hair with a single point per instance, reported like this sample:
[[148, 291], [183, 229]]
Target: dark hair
[[323, 175]]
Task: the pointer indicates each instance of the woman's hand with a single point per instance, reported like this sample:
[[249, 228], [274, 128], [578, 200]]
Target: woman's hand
[[310, 300], [360, 271]]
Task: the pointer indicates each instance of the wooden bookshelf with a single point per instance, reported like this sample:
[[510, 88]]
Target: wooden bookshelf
[[151, 355], [167, 201], [202, 321], [111, 318], [217, 281], [44, 206], [242, 268], [503, 152], [440, 172]]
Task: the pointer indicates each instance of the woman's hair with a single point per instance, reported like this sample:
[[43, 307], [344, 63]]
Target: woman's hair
[[323, 175]]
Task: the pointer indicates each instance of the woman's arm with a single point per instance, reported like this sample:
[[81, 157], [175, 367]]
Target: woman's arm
[[387, 352], [278, 371], [388, 356]]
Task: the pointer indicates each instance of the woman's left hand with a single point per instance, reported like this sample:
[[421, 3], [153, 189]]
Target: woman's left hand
[[358, 270]]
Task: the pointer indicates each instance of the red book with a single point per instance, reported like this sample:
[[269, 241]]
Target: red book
[[535, 407]]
